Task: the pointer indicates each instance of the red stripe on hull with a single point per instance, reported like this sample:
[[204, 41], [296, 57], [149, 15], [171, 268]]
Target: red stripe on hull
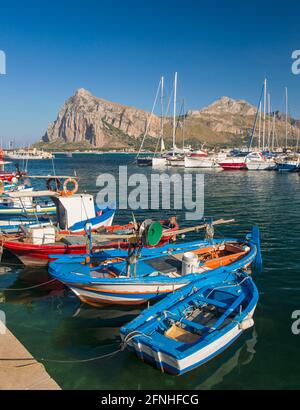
[[231, 166]]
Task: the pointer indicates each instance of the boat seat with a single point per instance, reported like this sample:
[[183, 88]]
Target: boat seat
[[181, 335], [213, 302], [197, 326], [165, 264]]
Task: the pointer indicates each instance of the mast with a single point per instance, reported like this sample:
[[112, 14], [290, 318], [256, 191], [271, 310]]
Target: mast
[[273, 133], [174, 113], [162, 145], [259, 126], [269, 122], [183, 124], [286, 117], [264, 122]]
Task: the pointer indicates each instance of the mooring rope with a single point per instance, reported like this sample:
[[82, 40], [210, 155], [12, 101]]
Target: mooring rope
[[29, 287], [42, 359]]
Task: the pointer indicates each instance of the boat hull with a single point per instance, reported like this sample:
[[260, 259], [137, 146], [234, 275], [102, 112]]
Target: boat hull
[[159, 162], [119, 294], [260, 166], [144, 162], [200, 162], [288, 167], [12, 212]]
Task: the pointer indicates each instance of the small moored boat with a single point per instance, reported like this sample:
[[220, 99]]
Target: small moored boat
[[194, 324]]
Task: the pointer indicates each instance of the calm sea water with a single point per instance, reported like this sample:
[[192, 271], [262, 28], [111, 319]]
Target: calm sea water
[[51, 322]]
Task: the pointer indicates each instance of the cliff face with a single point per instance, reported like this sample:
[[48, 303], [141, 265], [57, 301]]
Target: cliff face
[[87, 119], [84, 117]]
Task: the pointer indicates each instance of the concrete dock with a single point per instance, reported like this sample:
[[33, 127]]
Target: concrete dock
[[19, 370]]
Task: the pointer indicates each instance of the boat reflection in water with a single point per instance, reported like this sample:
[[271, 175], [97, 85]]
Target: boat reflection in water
[[241, 357]]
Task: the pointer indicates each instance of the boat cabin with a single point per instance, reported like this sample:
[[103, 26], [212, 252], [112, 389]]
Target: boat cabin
[[70, 209], [74, 209]]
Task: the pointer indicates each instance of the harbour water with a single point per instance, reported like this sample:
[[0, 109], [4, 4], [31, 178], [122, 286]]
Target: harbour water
[[52, 324]]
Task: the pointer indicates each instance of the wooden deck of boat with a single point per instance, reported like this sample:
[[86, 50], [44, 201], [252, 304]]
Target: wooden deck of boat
[[19, 370]]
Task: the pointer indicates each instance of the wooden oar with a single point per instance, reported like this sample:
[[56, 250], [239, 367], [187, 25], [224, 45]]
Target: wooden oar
[[197, 227], [107, 236]]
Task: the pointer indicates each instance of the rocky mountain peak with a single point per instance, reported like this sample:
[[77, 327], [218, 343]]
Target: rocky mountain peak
[[86, 118], [227, 105], [82, 92]]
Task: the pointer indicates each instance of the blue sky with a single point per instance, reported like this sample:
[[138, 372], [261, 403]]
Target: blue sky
[[119, 49]]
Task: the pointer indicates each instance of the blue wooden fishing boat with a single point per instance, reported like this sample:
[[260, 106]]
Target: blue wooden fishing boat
[[118, 277], [194, 324]]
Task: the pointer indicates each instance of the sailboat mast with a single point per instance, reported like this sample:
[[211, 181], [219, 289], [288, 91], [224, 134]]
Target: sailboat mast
[[183, 124], [264, 122], [269, 122], [162, 115], [259, 127], [174, 113], [273, 133], [286, 117]]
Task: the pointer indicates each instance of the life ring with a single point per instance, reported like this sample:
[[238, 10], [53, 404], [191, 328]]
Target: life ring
[[1, 187], [69, 192], [56, 185]]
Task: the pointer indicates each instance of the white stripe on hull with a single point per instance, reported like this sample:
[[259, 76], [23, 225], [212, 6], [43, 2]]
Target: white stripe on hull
[[116, 293]]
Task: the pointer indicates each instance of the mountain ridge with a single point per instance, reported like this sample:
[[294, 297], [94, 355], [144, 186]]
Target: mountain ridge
[[98, 123]]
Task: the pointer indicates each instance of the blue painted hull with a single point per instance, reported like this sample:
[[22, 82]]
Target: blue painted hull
[[286, 167]]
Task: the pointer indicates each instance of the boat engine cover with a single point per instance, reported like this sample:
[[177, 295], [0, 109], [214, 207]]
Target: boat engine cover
[[190, 263]]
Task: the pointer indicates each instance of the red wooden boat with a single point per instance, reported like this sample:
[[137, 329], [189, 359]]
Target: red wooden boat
[[38, 255]]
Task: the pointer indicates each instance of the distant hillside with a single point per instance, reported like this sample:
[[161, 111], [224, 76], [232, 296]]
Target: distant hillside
[[85, 121]]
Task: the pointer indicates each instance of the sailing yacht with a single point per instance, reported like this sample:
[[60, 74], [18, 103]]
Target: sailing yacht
[[289, 162], [154, 160], [175, 157], [256, 161], [160, 160]]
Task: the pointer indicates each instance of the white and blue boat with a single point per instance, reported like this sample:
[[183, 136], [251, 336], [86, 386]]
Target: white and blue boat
[[72, 213], [194, 324], [118, 277], [288, 164]]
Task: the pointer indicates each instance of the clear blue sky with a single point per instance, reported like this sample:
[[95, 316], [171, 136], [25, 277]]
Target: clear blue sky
[[119, 49]]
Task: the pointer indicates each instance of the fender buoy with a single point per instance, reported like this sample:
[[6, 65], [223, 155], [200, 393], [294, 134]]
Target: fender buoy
[[55, 186], [1, 186], [70, 192]]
